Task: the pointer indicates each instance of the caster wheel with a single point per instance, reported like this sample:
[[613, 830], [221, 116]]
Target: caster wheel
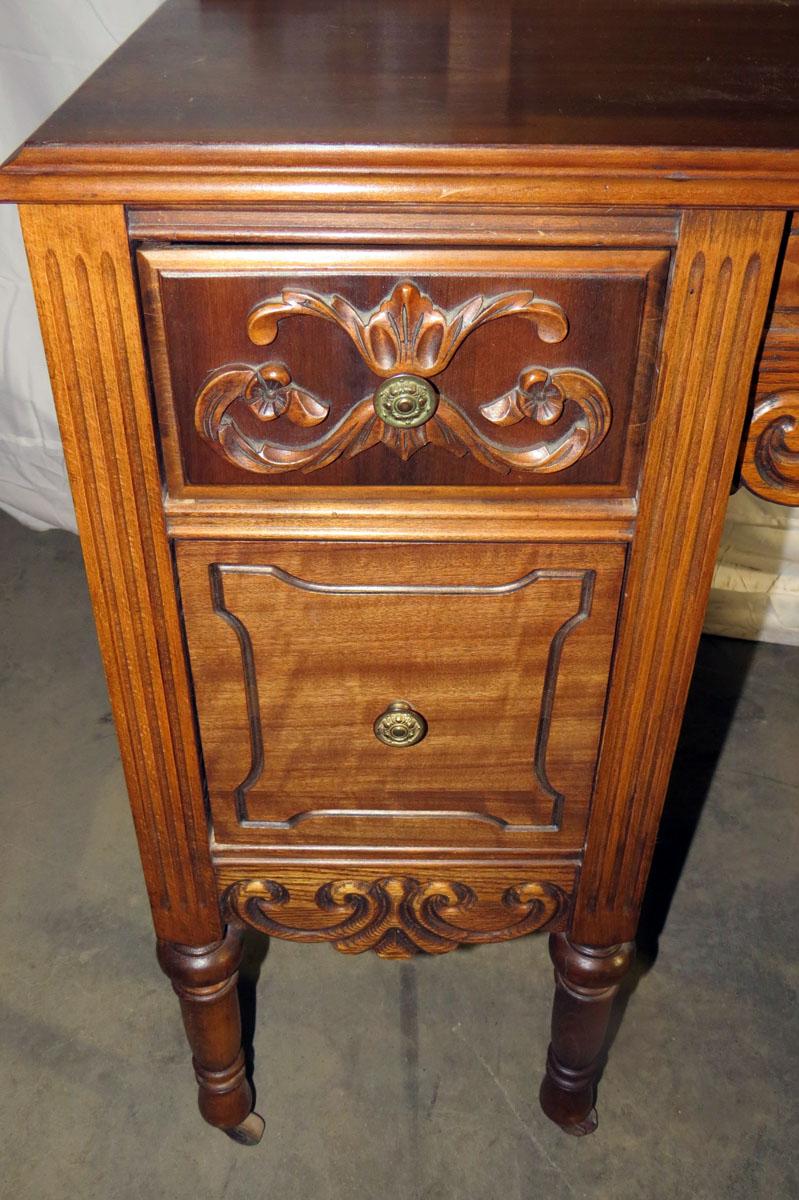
[[584, 1127], [249, 1132]]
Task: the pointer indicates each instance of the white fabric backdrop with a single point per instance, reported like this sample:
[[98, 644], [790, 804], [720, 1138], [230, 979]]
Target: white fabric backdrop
[[48, 47], [755, 591]]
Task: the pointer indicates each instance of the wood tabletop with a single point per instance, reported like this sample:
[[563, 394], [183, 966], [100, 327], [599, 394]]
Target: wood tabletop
[[344, 82]]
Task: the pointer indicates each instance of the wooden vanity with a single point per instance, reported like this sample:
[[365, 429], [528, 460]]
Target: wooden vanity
[[405, 358]]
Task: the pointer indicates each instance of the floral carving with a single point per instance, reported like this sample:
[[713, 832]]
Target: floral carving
[[397, 916], [407, 332], [541, 395], [267, 393], [536, 396], [771, 457]]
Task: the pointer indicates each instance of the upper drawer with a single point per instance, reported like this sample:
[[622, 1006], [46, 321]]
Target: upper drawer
[[412, 367]]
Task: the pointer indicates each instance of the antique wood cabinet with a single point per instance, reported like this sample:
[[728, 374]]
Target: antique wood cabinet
[[405, 356]]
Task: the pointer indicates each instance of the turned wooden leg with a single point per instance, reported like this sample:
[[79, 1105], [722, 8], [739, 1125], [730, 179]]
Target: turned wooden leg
[[586, 981], [204, 978]]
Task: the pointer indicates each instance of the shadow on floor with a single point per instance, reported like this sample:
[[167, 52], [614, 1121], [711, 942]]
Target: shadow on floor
[[719, 678], [255, 950], [718, 681]]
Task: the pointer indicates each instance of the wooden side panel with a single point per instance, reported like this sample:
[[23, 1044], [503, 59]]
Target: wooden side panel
[[788, 289], [778, 368], [722, 278], [80, 264]]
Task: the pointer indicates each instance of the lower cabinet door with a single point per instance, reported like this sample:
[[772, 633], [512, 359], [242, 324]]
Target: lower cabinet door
[[400, 695]]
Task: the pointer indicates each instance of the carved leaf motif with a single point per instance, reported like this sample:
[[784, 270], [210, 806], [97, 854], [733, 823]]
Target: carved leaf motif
[[540, 396], [771, 459], [398, 916], [408, 332]]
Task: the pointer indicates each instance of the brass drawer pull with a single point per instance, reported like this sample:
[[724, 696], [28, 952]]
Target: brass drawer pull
[[399, 725], [405, 401]]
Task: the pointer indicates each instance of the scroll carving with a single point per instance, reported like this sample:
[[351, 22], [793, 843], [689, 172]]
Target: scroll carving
[[267, 392], [541, 396], [771, 456], [407, 332], [397, 916]]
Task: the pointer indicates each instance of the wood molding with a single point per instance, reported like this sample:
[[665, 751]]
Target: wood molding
[[398, 916], [720, 287], [587, 579], [662, 176], [80, 264], [338, 515], [418, 224]]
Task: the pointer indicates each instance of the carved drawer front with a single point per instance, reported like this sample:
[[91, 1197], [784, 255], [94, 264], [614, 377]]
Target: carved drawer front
[[420, 695], [331, 367]]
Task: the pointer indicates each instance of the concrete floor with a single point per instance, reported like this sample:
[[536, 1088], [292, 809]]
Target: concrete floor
[[385, 1080]]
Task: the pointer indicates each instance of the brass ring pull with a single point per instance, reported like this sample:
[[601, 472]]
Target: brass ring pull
[[399, 725]]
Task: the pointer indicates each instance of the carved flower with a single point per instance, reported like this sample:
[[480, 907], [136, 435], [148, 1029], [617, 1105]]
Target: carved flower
[[265, 393], [535, 396], [269, 393]]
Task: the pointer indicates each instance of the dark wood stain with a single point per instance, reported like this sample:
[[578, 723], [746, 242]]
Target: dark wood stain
[[205, 319], [515, 72]]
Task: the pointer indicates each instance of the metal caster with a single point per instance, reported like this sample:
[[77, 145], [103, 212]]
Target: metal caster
[[584, 1127], [249, 1132]]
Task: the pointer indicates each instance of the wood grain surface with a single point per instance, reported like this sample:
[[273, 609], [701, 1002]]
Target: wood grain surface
[[331, 72], [671, 102], [297, 649]]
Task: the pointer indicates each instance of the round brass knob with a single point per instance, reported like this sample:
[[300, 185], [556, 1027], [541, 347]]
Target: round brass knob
[[405, 401], [399, 725]]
